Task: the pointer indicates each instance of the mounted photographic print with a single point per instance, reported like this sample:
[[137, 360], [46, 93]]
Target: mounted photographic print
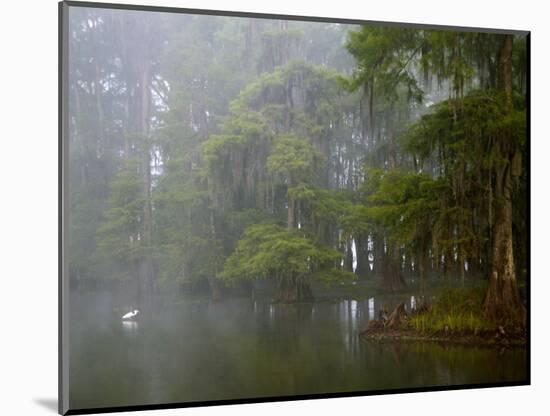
[[261, 207]]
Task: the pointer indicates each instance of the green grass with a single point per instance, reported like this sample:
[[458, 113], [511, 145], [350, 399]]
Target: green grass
[[457, 322], [458, 310]]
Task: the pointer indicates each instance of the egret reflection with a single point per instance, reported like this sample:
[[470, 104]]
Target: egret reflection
[[130, 326]]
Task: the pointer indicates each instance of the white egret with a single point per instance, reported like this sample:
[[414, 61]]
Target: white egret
[[131, 316]]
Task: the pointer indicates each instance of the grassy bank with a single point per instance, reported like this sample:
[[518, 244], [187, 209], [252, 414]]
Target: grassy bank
[[454, 315], [455, 310]]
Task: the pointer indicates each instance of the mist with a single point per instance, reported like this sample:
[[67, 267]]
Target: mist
[[251, 200]]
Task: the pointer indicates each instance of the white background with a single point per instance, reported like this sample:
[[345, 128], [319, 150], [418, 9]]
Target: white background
[[28, 204]]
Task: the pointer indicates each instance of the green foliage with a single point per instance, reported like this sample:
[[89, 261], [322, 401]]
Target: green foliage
[[326, 204], [467, 129], [388, 58], [294, 99], [120, 236], [274, 138], [294, 159], [464, 137], [240, 133], [402, 203], [85, 219], [448, 55], [271, 251], [383, 58], [186, 248], [457, 310], [216, 148]]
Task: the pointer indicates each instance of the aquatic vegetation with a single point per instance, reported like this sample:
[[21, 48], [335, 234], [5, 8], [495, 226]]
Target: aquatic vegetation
[[455, 310]]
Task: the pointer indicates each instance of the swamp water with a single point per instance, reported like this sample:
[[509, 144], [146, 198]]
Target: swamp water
[[202, 351]]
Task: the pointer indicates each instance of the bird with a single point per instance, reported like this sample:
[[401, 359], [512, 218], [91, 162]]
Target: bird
[[131, 316]]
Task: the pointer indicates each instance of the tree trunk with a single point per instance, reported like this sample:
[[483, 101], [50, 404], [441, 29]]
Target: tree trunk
[[502, 301], [392, 277], [291, 219], [216, 289], [216, 286], [378, 254], [290, 290], [362, 250], [422, 259], [505, 67], [348, 259]]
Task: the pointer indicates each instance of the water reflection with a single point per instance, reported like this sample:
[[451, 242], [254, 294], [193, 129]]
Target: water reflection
[[194, 351], [130, 327], [371, 314]]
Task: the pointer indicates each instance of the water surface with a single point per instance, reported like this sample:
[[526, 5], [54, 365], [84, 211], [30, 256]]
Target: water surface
[[199, 351]]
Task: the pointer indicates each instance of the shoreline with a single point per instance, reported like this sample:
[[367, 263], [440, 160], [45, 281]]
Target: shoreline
[[483, 339]]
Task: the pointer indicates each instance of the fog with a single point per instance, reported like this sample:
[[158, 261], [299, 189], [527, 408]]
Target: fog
[[259, 190]]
